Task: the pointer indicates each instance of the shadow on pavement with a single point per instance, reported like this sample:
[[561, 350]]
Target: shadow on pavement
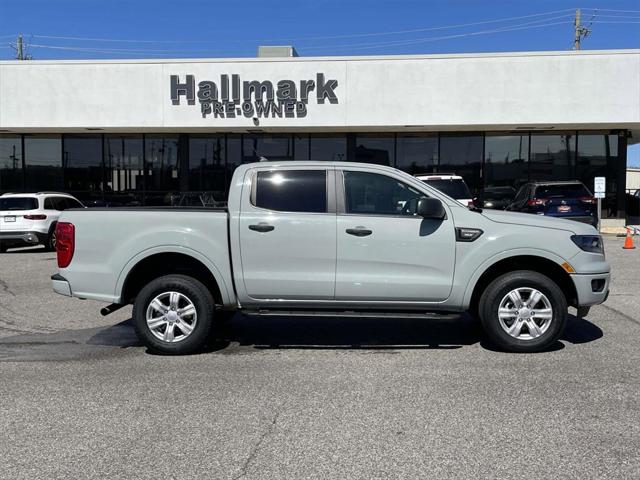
[[119, 335], [246, 333], [348, 333]]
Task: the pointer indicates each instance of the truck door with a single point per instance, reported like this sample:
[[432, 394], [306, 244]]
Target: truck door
[[385, 252], [288, 234]]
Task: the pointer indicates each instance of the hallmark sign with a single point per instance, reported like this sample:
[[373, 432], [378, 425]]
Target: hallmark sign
[[232, 97]]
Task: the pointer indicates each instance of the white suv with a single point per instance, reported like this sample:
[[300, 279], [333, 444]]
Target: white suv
[[30, 218]]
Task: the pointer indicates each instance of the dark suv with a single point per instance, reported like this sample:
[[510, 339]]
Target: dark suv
[[563, 199]]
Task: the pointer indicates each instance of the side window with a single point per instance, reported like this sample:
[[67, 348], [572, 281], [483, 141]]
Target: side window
[[292, 191], [60, 203], [72, 203], [375, 194], [48, 204]]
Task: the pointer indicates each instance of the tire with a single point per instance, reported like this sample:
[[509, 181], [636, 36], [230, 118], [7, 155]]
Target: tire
[[50, 241], [190, 331], [3, 248], [529, 332]]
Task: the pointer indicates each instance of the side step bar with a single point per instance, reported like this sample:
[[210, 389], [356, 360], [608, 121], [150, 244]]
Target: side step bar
[[351, 314]]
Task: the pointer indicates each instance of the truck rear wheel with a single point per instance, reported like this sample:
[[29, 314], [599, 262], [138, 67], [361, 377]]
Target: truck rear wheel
[[523, 311], [174, 314]]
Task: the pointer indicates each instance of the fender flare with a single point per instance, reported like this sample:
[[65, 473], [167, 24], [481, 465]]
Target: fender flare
[[133, 261], [516, 252]]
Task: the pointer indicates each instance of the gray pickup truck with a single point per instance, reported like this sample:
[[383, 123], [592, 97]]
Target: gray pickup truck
[[329, 238]]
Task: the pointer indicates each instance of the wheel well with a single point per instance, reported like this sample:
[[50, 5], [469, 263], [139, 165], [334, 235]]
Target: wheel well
[[525, 262], [168, 263]]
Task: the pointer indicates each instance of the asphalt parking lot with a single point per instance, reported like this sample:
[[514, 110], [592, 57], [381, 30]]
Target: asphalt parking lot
[[313, 397]]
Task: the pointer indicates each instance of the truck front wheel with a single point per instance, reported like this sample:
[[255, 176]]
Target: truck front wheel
[[523, 311], [174, 314]]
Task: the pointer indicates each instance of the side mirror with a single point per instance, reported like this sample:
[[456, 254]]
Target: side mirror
[[430, 208]]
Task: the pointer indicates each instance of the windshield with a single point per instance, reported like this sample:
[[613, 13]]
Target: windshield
[[455, 188], [568, 190], [18, 203]]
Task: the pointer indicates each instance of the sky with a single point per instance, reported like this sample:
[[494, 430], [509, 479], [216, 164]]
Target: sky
[[198, 28]]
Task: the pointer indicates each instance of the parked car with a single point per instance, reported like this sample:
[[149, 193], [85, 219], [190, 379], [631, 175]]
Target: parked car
[[452, 185], [498, 198], [30, 218], [563, 199], [331, 238]]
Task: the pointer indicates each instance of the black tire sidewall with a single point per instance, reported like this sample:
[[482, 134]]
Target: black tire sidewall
[[495, 292], [49, 245], [196, 292]]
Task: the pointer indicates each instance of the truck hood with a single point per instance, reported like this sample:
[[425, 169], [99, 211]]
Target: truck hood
[[543, 221]]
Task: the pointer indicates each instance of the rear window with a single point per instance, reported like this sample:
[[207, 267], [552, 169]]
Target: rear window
[[455, 188], [505, 194], [18, 203], [562, 191], [292, 191]]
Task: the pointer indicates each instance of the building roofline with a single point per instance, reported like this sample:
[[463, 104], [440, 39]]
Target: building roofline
[[559, 53]]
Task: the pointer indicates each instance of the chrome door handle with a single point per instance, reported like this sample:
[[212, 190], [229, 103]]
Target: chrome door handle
[[359, 231], [261, 227]]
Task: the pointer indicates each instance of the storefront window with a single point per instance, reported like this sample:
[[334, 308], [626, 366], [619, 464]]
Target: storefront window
[[598, 157], [551, 157], [506, 168], [234, 156], [378, 149], [271, 147], [43, 160], [161, 169], [416, 153], [207, 165], [332, 148], [462, 155], [301, 146], [124, 180], [82, 158], [10, 163]]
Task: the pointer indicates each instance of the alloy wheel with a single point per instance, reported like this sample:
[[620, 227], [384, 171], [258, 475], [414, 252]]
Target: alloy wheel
[[525, 313], [171, 317]]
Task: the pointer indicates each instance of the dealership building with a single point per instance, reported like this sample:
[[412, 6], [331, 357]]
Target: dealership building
[[144, 132]]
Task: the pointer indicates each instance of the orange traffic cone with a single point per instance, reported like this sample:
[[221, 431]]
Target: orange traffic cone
[[628, 241]]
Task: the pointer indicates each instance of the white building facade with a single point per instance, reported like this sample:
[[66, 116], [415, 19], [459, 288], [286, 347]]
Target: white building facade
[[140, 132]]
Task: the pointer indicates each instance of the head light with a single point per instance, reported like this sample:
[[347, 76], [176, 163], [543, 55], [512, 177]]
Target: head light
[[589, 243]]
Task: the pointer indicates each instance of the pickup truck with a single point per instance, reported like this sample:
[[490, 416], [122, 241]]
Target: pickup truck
[[331, 239]]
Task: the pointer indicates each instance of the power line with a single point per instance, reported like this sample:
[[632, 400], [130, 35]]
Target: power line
[[117, 50], [431, 39], [615, 23], [368, 45], [327, 37], [611, 10]]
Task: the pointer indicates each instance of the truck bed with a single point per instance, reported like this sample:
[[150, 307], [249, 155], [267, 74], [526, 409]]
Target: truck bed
[[110, 241]]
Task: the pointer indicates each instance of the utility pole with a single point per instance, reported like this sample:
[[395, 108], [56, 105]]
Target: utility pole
[[19, 48], [579, 32]]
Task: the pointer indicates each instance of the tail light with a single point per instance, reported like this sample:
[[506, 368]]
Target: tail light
[[588, 200], [65, 243], [35, 217], [536, 202], [470, 203]]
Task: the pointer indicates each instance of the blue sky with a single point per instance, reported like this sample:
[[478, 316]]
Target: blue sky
[[198, 28]]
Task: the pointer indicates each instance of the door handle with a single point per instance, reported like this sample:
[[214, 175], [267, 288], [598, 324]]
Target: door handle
[[261, 227], [359, 231]]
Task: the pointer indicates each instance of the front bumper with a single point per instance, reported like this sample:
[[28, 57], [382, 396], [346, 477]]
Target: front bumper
[[60, 285], [591, 289]]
